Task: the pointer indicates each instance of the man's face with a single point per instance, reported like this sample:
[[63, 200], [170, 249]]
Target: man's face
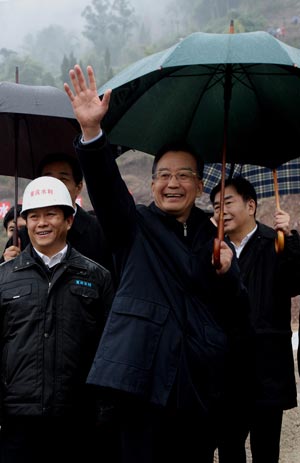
[[63, 171], [48, 228], [238, 214], [11, 226], [176, 194]]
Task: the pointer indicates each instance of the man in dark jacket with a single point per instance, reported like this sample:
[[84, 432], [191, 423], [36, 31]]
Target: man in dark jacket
[[53, 306], [164, 349], [272, 279], [86, 234]]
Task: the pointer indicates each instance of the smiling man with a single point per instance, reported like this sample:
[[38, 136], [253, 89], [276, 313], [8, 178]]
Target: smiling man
[[164, 348], [176, 181], [272, 280], [86, 234], [49, 216], [53, 306]]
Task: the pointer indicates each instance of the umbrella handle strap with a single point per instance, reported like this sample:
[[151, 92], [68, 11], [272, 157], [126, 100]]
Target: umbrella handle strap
[[279, 242]]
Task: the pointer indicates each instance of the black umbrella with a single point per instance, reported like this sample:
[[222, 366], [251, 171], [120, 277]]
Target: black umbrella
[[34, 121]]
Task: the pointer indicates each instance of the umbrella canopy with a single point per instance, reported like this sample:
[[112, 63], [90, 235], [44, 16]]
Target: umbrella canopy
[[232, 97], [288, 177], [186, 91], [34, 121]]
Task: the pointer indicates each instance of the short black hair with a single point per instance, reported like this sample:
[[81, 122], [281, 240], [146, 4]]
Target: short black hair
[[62, 157], [10, 215], [67, 211], [178, 146], [243, 187]]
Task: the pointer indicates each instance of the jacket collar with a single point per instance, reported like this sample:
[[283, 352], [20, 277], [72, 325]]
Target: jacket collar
[[29, 257]]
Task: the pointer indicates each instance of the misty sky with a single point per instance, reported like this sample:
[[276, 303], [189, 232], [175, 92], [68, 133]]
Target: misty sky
[[21, 17]]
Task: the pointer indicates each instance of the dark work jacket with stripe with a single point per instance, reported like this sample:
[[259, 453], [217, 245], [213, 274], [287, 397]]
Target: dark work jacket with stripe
[[50, 326]]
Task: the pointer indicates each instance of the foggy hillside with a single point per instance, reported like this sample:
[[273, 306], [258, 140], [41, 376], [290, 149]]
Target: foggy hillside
[[21, 17]]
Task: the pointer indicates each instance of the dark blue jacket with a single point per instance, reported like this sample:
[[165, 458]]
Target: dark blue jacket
[[172, 314]]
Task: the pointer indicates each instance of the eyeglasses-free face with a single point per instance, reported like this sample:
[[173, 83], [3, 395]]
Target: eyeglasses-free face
[[183, 175]]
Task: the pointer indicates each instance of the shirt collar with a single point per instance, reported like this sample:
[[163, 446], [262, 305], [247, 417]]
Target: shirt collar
[[53, 260], [240, 247]]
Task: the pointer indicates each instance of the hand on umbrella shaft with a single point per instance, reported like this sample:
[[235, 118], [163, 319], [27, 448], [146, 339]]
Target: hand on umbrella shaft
[[282, 226], [282, 222], [222, 264], [12, 251]]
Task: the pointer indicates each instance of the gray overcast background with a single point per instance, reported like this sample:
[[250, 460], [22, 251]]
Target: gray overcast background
[[21, 17]]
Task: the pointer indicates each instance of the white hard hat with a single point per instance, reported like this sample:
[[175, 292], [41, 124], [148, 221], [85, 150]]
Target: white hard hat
[[46, 191]]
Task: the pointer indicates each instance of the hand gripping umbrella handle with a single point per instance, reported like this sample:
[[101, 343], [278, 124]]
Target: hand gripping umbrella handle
[[279, 241]]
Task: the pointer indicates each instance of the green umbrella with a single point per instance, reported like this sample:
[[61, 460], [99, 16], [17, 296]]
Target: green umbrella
[[233, 97], [182, 93]]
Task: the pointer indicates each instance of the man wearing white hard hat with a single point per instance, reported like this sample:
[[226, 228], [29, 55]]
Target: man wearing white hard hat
[[53, 306], [86, 234]]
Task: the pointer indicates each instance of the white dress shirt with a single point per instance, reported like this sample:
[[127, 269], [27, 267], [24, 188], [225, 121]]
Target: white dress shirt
[[56, 259], [240, 247]]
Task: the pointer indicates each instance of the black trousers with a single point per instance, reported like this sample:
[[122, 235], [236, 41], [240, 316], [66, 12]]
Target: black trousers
[[49, 440], [264, 427], [154, 435]]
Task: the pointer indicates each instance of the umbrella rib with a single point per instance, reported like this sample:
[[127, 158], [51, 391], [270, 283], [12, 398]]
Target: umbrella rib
[[206, 87], [243, 70]]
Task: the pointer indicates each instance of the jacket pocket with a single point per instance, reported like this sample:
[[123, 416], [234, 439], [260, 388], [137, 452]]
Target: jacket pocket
[[15, 293], [18, 301], [133, 331], [86, 294], [85, 300]]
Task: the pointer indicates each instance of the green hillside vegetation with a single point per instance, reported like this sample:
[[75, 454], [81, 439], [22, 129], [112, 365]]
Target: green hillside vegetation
[[268, 15], [186, 16]]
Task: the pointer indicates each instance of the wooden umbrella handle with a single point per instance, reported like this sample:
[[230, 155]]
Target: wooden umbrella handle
[[217, 241], [227, 98], [217, 253], [279, 241]]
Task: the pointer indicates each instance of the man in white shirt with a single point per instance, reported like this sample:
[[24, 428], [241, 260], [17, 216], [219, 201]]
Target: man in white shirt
[[272, 279]]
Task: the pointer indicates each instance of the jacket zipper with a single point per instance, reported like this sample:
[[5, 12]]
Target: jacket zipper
[[184, 229]]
